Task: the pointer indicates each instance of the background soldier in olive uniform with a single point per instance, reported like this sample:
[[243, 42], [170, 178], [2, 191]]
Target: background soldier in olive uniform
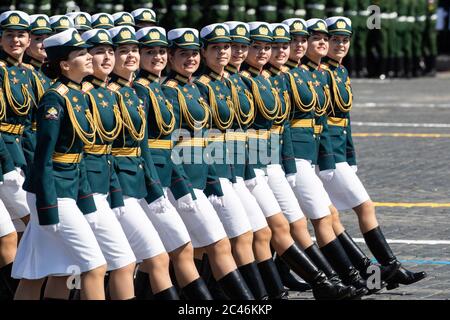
[[177, 14], [237, 10], [160, 8], [27, 6], [286, 9], [196, 14], [251, 10], [267, 10], [218, 11], [377, 45], [418, 32], [299, 9], [430, 38], [6, 5], [315, 9], [392, 36]]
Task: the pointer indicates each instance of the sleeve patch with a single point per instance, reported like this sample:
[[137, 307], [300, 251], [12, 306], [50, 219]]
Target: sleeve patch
[[52, 114]]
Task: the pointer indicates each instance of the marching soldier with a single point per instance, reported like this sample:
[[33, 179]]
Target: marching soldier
[[123, 19], [81, 20], [27, 6], [195, 13], [430, 38], [177, 13], [43, 7], [144, 17], [58, 235], [61, 23], [418, 36], [237, 10], [251, 6], [286, 9], [299, 9], [218, 11], [345, 189]]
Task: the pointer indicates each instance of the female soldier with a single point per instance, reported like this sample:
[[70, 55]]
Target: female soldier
[[160, 125], [192, 116], [134, 166], [267, 110], [244, 117], [58, 236], [100, 173], [345, 189], [221, 95], [16, 99]]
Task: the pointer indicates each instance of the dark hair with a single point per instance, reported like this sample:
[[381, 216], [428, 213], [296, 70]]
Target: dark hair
[[55, 55]]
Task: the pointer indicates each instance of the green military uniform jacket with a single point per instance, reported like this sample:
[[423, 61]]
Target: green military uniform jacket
[[133, 161], [160, 125], [192, 114], [266, 111], [325, 156], [280, 81], [6, 162], [98, 160], [244, 117], [40, 84], [16, 101], [339, 109], [57, 170], [302, 114]]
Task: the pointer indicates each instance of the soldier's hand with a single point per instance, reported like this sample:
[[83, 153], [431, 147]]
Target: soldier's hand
[[292, 178], [186, 202], [51, 227], [355, 168], [251, 183], [326, 175]]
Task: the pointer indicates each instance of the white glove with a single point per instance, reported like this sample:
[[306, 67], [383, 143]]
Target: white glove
[[51, 227], [159, 205], [355, 168], [326, 175], [92, 218], [216, 201], [186, 202], [13, 178], [292, 178], [251, 183]]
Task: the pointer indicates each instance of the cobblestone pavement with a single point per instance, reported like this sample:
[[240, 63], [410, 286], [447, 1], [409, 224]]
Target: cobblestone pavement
[[399, 169]]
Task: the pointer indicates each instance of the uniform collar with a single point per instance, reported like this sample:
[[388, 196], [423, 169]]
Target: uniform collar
[[96, 81], [148, 75], [231, 69], [273, 70], [8, 59], [175, 75], [70, 83], [119, 80], [212, 74], [292, 64], [310, 63], [331, 62], [255, 72], [35, 63]]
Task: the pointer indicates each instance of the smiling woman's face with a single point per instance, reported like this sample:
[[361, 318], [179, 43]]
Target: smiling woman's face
[[15, 42], [184, 61], [259, 54], [154, 59], [339, 46], [217, 55], [280, 54], [299, 45], [317, 45], [127, 59]]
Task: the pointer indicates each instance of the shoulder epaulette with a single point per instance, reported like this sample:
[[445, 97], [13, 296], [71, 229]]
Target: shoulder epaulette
[[2, 63], [204, 79], [113, 87], [171, 83], [325, 67], [62, 89], [143, 82], [304, 67], [266, 74], [245, 73], [284, 69], [226, 74], [87, 86], [28, 66]]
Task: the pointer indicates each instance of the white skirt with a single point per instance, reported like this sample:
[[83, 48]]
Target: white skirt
[[202, 223], [345, 189], [109, 234], [232, 213], [139, 230], [13, 195], [19, 225], [6, 225], [167, 221], [72, 248], [283, 193], [310, 192], [264, 195], [254, 213]]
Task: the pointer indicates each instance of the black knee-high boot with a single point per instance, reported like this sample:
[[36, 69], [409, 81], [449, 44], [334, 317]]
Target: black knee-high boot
[[322, 263], [289, 281], [213, 287], [167, 294], [362, 262], [252, 277], [9, 283], [379, 247], [142, 288], [196, 290], [272, 280], [322, 288], [337, 257], [234, 286]]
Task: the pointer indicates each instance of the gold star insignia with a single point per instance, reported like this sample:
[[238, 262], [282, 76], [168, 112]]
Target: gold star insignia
[[314, 75], [339, 80], [221, 96], [299, 81], [185, 90], [13, 72], [238, 88], [235, 80], [295, 74], [217, 88], [264, 87], [15, 80], [129, 102], [189, 96], [335, 73], [276, 82], [100, 95], [317, 83], [127, 95], [77, 108], [156, 90], [104, 104], [160, 98], [75, 99]]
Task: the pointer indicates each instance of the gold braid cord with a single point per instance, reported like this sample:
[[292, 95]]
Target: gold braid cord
[[338, 100], [19, 109], [267, 114], [39, 86], [243, 118], [221, 125], [128, 122], [163, 127], [2, 105], [104, 134], [284, 115], [191, 122], [321, 110], [303, 107]]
